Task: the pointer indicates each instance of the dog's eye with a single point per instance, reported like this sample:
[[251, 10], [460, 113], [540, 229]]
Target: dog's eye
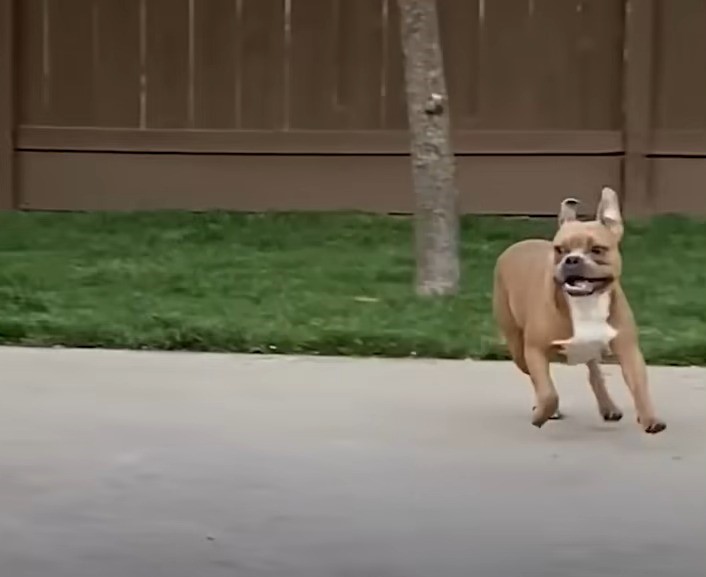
[[599, 250], [559, 250]]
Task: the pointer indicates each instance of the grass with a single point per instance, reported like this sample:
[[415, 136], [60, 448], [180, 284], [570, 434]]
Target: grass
[[310, 283]]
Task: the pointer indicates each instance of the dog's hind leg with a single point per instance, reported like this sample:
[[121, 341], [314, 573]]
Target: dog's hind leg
[[547, 399], [516, 346], [514, 337], [508, 327]]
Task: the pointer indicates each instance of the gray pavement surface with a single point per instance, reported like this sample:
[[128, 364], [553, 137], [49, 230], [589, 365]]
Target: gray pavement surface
[[116, 464]]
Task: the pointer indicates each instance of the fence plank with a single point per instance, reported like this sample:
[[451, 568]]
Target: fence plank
[[359, 70], [71, 63], [263, 90], [638, 87], [217, 36], [600, 62], [459, 25], [313, 64], [7, 105], [505, 55], [680, 100], [554, 66], [168, 79], [117, 63], [395, 99], [30, 46]]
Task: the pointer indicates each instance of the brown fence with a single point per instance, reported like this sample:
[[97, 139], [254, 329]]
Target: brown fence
[[299, 104]]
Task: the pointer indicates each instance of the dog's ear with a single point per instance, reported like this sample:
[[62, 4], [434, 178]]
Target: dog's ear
[[608, 213], [567, 212]]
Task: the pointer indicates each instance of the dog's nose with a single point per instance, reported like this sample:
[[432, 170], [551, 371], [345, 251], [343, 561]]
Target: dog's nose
[[572, 260]]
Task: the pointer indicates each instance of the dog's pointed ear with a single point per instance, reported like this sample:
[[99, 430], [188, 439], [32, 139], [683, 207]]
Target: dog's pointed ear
[[608, 213], [568, 209]]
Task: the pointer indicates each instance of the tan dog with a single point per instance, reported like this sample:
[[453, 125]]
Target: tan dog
[[564, 299]]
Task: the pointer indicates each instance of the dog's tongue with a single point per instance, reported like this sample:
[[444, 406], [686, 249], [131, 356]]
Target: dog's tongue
[[578, 286]]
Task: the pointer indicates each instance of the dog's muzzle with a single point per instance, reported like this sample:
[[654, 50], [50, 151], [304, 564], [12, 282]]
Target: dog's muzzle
[[575, 279]]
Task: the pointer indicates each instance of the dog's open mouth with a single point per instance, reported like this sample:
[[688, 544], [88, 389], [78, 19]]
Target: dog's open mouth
[[578, 286]]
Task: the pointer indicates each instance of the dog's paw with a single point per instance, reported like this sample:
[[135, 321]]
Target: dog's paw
[[652, 425], [556, 415], [545, 411], [611, 415]]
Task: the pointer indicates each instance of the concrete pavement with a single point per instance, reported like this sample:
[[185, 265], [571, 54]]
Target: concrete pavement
[[116, 464]]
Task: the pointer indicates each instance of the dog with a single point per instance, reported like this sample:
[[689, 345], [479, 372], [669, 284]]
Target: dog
[[562, 300]]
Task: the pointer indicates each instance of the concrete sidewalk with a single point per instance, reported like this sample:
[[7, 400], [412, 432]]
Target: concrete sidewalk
[[116, 464]]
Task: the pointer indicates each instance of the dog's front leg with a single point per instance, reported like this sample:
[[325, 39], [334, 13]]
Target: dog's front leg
[[632, 364], [547, 399], [608, 409]]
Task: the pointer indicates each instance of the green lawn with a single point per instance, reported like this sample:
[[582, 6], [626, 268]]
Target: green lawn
[[324, 284]]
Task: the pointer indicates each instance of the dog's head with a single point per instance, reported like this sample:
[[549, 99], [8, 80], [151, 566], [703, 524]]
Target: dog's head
[[586, 254]]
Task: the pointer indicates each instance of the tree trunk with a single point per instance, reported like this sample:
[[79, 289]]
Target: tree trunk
[[433, 166]]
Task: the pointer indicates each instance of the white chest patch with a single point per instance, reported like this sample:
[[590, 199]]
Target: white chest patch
[[591, 331]]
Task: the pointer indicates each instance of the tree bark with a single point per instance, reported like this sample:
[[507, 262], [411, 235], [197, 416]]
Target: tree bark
[[433, 166]]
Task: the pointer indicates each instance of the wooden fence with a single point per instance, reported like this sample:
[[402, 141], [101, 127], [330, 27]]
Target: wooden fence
[[299, 104]]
